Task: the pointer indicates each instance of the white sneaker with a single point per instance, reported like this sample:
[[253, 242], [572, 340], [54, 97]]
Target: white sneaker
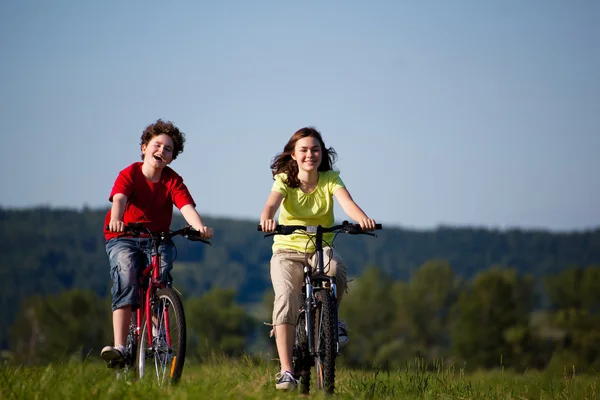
[[286, 381], [113, 355]]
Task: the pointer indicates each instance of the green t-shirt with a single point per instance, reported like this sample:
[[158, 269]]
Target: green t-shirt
[[307, 209]]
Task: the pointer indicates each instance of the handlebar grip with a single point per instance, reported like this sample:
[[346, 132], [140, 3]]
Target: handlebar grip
[[378, 226], [198, 239], [133, 228], [259, 228]]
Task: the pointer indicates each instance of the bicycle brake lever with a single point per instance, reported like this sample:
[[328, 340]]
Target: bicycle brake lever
[[270, 234]]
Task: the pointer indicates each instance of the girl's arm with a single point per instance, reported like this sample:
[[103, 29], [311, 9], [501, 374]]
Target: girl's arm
[[353, 210], [267, 222], [193, 218]]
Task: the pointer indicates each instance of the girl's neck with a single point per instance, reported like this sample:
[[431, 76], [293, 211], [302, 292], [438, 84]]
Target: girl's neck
[[310, 178], [151, 173]]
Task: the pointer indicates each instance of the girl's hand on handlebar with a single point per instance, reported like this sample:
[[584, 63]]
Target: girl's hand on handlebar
[[204, 231], [116, 226], [367, 224], [268, 225]]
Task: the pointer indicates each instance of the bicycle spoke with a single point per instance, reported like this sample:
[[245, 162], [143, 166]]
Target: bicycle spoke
[[166, 352]]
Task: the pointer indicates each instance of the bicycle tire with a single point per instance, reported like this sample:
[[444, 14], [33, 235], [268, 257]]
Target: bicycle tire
[[131, 344], [165, 355], [301, 356], [325, 341]]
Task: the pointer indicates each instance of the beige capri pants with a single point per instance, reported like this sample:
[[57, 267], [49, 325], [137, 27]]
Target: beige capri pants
[[287, 271]]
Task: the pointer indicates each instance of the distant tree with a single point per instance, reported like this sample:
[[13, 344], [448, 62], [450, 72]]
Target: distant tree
[[217, 325], [51, 328], [575, 297], [369, 310], [423, 308], [492, 320]]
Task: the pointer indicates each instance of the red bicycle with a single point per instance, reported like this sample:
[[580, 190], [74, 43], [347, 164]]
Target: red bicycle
[[156, 342]]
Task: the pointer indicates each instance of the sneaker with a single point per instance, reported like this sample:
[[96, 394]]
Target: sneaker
[[342, 332], [286, 381], [113, 355]]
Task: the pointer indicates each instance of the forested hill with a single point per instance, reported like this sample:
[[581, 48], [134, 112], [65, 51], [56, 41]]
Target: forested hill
[[46, 250]]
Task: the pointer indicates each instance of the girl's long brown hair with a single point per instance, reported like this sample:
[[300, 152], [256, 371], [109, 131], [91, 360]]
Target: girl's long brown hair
[[283, 162]]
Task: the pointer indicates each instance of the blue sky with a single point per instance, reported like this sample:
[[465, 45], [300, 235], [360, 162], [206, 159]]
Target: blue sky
[[461, 113]]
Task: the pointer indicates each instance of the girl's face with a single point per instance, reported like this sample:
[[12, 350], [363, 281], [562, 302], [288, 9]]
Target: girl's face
[[158, 153], [307, 154]]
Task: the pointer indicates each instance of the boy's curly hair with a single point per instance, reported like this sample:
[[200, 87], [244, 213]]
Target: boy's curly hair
[[161, 127], [283, 162]]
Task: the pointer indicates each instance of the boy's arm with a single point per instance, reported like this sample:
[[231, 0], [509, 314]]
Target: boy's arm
[[193, 218], [353, 210], [119, 201], [267, 222]]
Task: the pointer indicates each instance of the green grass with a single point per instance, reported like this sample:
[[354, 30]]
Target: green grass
[[247, 379]]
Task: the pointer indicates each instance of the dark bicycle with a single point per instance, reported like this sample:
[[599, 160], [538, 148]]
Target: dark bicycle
[[156, 342], [317, 343]]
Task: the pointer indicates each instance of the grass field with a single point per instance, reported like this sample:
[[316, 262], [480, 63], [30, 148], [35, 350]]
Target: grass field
[[248, 379]]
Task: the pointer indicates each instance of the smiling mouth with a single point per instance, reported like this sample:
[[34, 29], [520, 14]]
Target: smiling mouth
[[158, 158]]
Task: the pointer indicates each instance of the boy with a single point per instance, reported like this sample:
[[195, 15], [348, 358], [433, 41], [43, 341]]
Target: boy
[[144, 192]]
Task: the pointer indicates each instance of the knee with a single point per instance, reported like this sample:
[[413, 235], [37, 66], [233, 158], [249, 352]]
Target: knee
[[286, 299], [125, 269], [286, 308], [127, 276]]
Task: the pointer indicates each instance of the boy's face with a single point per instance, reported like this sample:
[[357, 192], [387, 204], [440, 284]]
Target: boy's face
[[158, 153]]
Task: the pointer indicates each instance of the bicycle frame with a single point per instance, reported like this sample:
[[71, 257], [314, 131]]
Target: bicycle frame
[[314, 283], [149, 283], [151, 272], [318, 278]]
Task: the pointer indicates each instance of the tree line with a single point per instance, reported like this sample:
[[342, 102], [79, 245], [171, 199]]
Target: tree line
[[427, 288], [485, 322]]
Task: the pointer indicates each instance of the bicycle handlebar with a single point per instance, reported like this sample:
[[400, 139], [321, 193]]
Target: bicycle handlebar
[[345, 227], [137, 228]]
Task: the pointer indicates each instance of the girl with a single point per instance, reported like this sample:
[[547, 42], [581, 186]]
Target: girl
[[304, 187]]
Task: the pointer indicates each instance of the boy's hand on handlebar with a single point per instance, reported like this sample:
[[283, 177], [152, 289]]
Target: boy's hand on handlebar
[[204, 231], [367, 224], [116, 226], [268, 225]]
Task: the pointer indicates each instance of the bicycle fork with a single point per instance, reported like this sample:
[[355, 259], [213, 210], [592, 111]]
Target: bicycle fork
[[309, 313]]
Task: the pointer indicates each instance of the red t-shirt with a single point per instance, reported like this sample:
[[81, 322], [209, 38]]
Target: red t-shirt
[[147, 202]]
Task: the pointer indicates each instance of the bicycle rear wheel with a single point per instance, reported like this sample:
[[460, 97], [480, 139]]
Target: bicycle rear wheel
[[132, 343], [164, 356], [127, 364], [325, 341], [301, 356]]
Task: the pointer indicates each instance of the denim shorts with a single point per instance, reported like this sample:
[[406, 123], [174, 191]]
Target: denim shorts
[[127, 258]]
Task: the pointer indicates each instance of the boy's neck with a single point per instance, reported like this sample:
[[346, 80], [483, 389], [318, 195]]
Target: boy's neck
[[151, 173], [310, 178]]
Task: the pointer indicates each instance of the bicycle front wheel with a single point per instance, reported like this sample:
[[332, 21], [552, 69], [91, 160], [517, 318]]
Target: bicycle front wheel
[[164, 355], [325, 341]]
